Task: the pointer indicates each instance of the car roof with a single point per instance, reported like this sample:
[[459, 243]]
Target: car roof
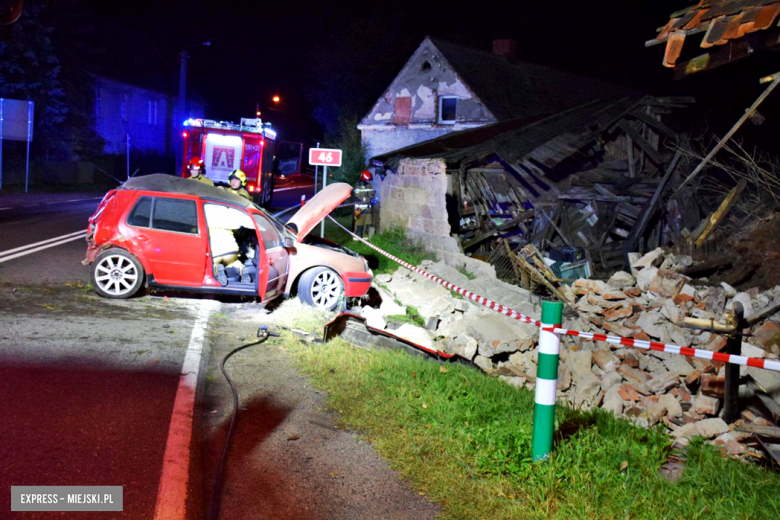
[[165, 183]]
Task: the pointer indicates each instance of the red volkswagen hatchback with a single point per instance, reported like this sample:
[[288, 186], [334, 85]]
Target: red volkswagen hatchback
[[161, 231]]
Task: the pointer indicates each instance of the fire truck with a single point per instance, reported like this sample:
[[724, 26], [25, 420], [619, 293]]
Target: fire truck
[[249, 146]]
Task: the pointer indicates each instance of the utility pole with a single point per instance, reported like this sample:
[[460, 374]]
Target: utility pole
[[183, 85]]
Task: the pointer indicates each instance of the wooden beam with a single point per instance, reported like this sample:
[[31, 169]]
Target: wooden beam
[[563, 237], [765, 398], [602, 198], [650, 120], [523, 264], [768, 311], [766, 431], [775, 81], [721, 212], [631, 166], [493, 232], [641, 142], [648, 211], [707, 266]]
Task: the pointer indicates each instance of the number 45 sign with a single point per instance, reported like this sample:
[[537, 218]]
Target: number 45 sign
[[324, 157]]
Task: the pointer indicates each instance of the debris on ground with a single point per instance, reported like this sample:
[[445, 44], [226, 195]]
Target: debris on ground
[[650, 303]]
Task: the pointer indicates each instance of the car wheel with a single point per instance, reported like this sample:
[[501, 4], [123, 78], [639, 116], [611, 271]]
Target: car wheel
[[320, 287], [117, 274]]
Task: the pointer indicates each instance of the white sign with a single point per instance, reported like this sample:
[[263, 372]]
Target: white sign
[[223, 155], [324, 157]]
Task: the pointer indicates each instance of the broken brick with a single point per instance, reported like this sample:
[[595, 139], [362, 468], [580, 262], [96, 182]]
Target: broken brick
[[616, 328], [610, 296], [693, 377], [641, 335], [628, 393], [618, 314], [633, 374]]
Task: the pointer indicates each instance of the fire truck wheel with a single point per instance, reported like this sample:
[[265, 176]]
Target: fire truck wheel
[[117, 274], [320, 287]]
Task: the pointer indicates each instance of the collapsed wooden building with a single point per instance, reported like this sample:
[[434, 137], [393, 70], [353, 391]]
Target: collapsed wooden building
[[597, 180]]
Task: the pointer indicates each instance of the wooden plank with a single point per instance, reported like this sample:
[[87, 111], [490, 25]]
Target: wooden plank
[[649, 210], [766, 431], [641, 142], [765, 399], [767, 312], [523, 264], [721, 212], [602, 198], [493, 232], [555, 226], [656, 124]]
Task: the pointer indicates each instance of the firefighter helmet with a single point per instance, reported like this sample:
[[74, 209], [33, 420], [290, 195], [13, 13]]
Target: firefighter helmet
[[366, 176], [238, 174], [196, 165]]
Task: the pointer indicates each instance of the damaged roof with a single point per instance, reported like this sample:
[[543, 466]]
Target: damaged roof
[[722, 22], [513, 89], [512, 140]]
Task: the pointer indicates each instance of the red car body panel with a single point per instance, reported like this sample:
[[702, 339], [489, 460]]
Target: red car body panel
[[319, 207], [356, 284]]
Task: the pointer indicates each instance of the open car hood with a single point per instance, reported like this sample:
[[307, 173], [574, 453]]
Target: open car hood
[[319, 207]]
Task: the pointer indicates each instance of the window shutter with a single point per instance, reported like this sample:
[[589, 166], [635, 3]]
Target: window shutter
[[403, 111]]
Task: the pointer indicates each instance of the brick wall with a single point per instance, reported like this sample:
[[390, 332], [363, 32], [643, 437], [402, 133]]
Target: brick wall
[[414, 198]]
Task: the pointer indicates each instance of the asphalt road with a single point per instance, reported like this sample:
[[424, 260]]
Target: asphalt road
[[87, 385], [87, 388]]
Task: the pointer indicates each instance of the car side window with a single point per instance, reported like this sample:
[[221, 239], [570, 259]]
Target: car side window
[[141, 214], [176, 215], [268, 231]]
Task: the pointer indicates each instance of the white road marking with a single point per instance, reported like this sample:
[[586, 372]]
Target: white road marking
[[55, 202], [30, 248], [293, 188], [172, 493]]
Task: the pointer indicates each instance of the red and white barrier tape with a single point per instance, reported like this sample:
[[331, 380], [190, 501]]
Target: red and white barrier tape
[[615, 340], [672, 349]]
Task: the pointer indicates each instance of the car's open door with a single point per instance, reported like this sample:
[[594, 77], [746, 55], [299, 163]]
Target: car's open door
[[277, 257]]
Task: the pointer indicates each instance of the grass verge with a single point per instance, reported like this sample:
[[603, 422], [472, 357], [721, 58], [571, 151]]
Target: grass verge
[[464, 439], [393, 241]]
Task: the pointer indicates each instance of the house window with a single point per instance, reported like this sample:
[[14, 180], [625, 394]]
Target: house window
[[448, 107], [426, 66], [98, 102], [123, 106]]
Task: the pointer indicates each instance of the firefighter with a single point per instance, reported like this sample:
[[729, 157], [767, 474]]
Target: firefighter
[[197, 171], [237, 181], [364, 201]]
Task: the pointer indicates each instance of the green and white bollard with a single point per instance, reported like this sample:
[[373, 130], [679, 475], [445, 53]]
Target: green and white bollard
[[546, 382]]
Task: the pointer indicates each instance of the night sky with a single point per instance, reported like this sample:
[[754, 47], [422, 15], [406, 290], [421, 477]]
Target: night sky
[[261, 49]]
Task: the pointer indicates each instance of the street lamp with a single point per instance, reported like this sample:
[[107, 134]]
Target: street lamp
[[276, 99]]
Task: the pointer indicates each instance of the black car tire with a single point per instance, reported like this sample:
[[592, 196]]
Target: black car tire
[[321, 287], [117, 274]]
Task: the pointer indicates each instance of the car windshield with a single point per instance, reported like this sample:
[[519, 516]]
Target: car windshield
[[275, 220]]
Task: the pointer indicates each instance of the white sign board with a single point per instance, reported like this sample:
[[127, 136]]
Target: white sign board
[[16, 120], [223, 155], [324, 157]]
